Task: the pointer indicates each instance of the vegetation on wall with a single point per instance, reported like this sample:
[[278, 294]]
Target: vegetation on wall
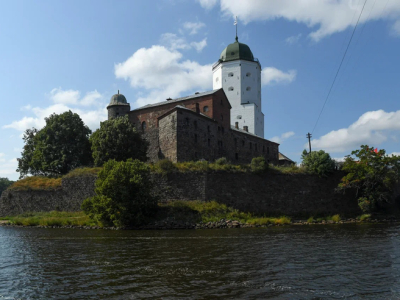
[[60, 146], [123, 195], [117, 139], [373, 175], [318, 162], [4, 184]]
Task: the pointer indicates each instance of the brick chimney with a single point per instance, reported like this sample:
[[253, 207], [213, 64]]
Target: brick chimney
[[246, 128], [197, 108], [237, 125]]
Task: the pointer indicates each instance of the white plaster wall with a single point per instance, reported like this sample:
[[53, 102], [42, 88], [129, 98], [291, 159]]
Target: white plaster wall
[[245, 98]]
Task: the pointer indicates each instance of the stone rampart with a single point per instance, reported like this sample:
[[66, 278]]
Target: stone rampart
[[269, 194]]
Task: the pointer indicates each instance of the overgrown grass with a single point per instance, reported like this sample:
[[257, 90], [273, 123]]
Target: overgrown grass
[[289, 169], [83, 172], [364, 217], [36, 183], [213, 212], [53, 218]]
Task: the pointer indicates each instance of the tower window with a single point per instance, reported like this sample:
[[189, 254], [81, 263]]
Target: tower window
[[248, 88], [143, 126], [230, 74], [230, 88], [205, 108], [248, 74], [239, 117], [217, 79], [232, 53]]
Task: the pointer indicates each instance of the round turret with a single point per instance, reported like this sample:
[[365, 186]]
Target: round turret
[[118, 106], [236, 51]]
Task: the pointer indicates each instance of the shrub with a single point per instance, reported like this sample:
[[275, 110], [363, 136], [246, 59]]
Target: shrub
[[164, 166], [222, 161], [318, 162], [258, 165], [336, 218], [36, 183], [311, 220], [123, 195]]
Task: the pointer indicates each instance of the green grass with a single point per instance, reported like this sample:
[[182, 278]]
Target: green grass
[[53, 218], [36, 183], [364, 217], [84, 172], [311, 220]]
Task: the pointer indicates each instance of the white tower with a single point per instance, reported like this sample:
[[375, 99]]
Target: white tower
[[239, 74]]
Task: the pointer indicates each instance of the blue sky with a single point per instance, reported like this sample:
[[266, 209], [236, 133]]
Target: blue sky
[[60, 55]]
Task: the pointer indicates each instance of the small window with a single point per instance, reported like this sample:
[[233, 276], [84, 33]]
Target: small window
[[222, 117], [232, 53], [255, 145], [195, 138], [205, 109], [217, 79], [248, 88], [235, 140], [222, 103], [263, 148], [209, 142], [230, 74], [239, 117], [236, 156], [230, 88], [250, 145], [248, 74], [195, 155], [219, 129], [186, 121], [222, 128], [267, 150], [117, 114], [195, 124], [243, 143], [208, 128], [143, 126]]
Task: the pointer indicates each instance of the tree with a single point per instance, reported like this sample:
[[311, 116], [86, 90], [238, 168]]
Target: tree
[[4, 184], [117, 139], [373, 176], [259, 165], [318, 162], [60, 146], [123, 194]]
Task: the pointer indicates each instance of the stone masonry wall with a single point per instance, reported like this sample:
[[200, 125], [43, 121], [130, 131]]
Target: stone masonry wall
[[270, 194], [67, 198]]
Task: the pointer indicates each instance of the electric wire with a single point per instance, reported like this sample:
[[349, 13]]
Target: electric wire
[[340, 65]]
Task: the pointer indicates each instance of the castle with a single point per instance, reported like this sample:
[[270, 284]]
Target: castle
[[225, 122]]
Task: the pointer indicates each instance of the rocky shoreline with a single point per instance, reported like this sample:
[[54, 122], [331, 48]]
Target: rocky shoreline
[[173, 225]]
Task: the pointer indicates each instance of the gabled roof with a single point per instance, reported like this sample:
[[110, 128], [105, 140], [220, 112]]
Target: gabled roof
[[187, 109], [197, 95], [249, 133], [284, 157]]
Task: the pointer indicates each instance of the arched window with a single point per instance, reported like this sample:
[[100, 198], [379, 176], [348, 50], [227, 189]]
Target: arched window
[[230, 88], [230, 74], [248, 88], [143, 126], [205, 108]]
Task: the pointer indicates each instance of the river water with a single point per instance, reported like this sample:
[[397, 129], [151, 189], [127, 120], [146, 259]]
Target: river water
[[294, 262]]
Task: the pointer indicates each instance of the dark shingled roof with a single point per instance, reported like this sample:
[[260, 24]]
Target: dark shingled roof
[[178, 99]]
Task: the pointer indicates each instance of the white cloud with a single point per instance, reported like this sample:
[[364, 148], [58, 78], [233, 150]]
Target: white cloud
[[282, 137], [174, 42], [64, 101], [394, 154], [199, 46], [163, 74], [396, 28], [193, 27], [293, 39], [273, 75], [372, 128], [324, 17], [2, 159], [207, 4]]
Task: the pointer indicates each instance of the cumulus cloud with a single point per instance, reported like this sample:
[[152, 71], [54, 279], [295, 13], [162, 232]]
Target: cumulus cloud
[[207, 4], [193, 27], [372, 128], [62, 102], [273, 75], [293, 39], [163, 73], [2, 159], [282, 137], [199, 46], [324, 17], [396, 28]]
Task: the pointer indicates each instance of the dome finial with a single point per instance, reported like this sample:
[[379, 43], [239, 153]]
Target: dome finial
[[235, 23]]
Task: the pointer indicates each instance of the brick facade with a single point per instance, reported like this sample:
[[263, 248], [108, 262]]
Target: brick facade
[[198, 127]]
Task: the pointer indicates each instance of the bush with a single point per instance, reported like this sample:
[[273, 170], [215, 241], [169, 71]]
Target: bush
[[222, 161], [122, 194], [318, 162], [164, 166], [258, 165]]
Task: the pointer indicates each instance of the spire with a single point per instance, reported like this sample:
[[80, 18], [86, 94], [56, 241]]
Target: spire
[[118, 92], [235, 23]]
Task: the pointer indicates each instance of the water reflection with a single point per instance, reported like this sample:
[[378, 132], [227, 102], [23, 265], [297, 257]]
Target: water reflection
[[298, 262]]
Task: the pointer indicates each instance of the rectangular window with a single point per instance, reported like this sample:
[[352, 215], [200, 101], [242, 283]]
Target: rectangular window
[[195, 124], [236, 156], [209, 142], [250, 145], [195, 138]]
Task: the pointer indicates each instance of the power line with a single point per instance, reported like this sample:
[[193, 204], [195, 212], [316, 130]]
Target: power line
[[341, 62]]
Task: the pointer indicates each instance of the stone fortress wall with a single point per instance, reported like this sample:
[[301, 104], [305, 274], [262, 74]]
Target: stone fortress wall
[[269, 194]]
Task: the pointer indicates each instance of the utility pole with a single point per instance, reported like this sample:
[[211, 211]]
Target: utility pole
[[309, 135]]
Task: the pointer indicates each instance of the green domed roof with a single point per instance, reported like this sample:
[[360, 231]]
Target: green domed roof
[[118, 99], [236, 51]]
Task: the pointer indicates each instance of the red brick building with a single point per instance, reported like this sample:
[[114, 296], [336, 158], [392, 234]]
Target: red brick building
[[193, 128]]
